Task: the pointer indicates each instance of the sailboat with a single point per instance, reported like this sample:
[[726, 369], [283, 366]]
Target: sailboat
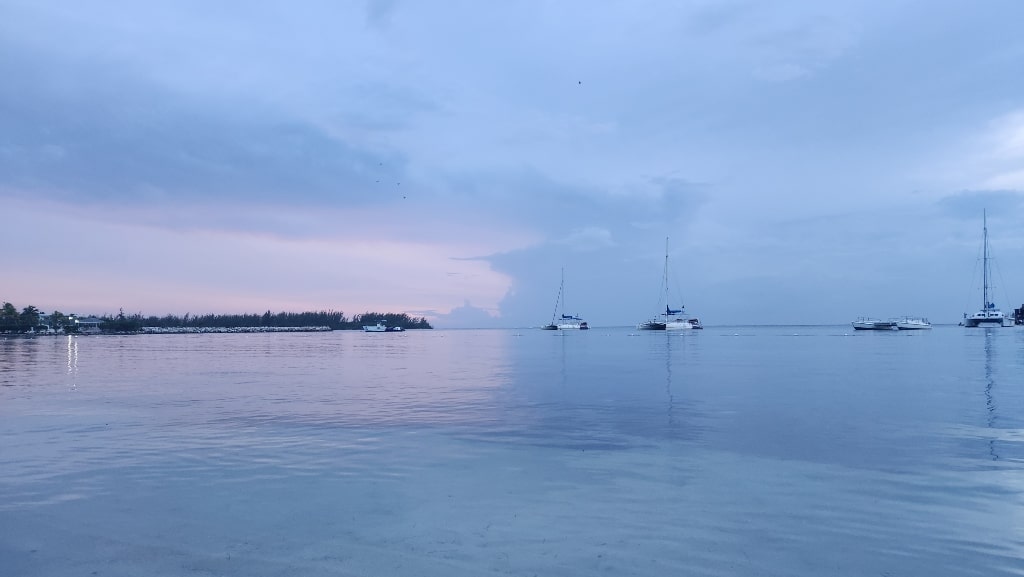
[[560, 320], [672, 319], [988, 315]]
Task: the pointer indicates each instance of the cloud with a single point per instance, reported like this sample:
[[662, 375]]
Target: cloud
[[969, 204], [587, 239], [1003, 152], [776, 146], [378, 12], [781, 72], [1008, 136], [468, 316], [139, 144]]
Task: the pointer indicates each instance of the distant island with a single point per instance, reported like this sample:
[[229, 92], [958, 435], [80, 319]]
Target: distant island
[[33, 321]]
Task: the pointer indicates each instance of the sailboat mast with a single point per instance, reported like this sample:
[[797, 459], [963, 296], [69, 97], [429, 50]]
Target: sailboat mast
[[665, 279], [558, 300], [985, 272], [561, 291]]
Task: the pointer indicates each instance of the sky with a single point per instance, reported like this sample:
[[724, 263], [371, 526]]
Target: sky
[[808, 162]]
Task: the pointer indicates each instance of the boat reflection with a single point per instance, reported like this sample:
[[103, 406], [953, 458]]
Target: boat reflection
[[72, 371], [668, 379], [990, 383]]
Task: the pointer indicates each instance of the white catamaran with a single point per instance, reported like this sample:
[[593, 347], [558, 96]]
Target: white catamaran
[[672, 319], [988, 315], [561, 321]]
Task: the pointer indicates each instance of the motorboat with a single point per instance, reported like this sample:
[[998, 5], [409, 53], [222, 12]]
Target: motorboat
[[381, 327], [913, 324], [651, 325], [871, 324]]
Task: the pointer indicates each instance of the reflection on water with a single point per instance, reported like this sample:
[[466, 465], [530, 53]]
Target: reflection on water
[[72, 362], [990, 404], [668, 377]]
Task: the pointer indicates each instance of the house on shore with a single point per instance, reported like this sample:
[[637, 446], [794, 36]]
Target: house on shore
[[87, 325]]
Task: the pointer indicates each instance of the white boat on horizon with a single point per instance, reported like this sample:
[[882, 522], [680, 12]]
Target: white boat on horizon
[[872, 324], [381, 327], [988, 315], [671, 319], [651, 325], [913, 324], [561, 321]]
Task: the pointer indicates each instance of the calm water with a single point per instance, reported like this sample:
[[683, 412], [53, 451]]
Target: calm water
[[732, 451]]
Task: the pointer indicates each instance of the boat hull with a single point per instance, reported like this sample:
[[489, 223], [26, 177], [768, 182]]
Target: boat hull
[[566, 327], [683, 325], [996, 322], [381, 328], [873, 325], [913, 325]]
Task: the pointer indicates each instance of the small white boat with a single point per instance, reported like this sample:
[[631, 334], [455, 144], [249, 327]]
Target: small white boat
[[870, 324], [381, 327], [913, 324]]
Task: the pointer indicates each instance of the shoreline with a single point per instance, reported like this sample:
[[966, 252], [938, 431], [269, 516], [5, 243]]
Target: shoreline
[[191, 330], [181, 330]]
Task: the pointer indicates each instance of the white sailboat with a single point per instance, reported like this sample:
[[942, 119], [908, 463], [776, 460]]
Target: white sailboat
[[988, 315], [671, 319], [560, 320]]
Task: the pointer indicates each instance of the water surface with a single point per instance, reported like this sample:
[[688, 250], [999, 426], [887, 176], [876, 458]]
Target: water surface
[[728, 451]]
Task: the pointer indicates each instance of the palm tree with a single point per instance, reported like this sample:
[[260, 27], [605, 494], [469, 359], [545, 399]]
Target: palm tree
[[8, 317], [29, 317]]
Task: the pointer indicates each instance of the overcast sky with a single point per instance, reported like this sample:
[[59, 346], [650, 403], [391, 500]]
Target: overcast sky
[[810, 162]]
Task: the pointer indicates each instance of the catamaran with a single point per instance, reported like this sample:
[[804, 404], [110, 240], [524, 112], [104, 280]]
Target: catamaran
[[988, 315], [560, 320], [672, 319]]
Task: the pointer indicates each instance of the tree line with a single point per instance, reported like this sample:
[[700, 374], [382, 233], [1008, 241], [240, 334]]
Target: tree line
[[12, 321], [31, 319]]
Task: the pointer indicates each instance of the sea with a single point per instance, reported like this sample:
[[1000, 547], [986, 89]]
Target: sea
[[746, 450]]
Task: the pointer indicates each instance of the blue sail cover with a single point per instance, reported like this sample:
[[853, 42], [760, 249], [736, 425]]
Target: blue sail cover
[[571, 317], [669, 311]]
